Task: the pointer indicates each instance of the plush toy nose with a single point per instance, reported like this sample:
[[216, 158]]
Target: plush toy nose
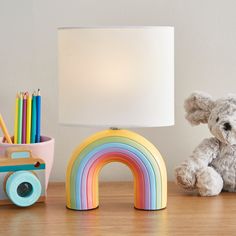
[[227, 126]]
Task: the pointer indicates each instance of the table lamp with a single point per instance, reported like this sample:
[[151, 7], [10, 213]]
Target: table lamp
[[116, 77]]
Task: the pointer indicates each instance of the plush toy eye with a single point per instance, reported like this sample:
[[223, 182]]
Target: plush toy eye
[[217, 119]]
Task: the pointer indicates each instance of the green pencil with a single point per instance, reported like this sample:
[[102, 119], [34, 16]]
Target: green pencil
[[20, 108], [33, 121]]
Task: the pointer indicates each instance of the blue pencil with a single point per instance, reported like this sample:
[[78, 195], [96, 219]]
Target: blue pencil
[[33, 119], [38, 119]]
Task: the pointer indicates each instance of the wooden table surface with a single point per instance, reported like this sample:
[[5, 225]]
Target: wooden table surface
[[185, 215]]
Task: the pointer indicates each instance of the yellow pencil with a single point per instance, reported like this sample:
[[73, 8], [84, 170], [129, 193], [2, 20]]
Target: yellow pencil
[[16, 120], [4, 130], [28, 126]]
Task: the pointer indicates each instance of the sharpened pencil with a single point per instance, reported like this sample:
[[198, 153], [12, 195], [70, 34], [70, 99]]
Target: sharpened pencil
[[16, 119], [4, 130], [28, 126], [38, 119], [24, 116], [33, 121], [20, 109]]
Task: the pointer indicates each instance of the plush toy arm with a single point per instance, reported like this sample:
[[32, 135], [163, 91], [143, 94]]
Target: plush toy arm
[[201, 158], [204, 153]]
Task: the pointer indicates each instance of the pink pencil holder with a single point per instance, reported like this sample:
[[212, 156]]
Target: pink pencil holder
[[43, 150]]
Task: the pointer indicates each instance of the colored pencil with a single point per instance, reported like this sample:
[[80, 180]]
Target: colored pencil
[[24, 119], [28, 126], [38, 119], [16, 120], [20, 108], [4, 130], [33, 117]]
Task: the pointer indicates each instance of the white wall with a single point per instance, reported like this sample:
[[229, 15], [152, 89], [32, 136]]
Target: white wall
[[205, 48]]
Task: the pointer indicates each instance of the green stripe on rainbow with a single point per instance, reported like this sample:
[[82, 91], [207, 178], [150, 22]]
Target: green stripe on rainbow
[[124, 146]]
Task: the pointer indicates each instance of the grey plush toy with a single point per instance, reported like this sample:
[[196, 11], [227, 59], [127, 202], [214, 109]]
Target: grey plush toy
[[212, 166]]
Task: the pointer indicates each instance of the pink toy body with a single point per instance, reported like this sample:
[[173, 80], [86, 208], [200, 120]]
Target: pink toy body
[[44, 150]]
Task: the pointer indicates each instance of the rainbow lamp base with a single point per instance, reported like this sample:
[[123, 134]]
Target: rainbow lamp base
[[143, 159]]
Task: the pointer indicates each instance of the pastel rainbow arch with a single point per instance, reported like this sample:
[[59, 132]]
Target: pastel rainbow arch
[[143, 159]]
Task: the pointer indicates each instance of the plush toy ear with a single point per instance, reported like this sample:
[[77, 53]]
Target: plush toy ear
[[198, 107], [230, 98]]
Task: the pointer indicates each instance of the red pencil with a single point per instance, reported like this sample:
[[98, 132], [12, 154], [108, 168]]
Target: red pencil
[[24, 118]]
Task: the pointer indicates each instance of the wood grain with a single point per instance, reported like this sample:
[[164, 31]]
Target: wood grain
[[186, 214]]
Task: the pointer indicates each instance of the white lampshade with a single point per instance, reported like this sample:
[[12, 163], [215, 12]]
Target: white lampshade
[[116, 77]]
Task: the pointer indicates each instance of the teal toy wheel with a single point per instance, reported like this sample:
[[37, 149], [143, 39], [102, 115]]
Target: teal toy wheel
[[23, 188]]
